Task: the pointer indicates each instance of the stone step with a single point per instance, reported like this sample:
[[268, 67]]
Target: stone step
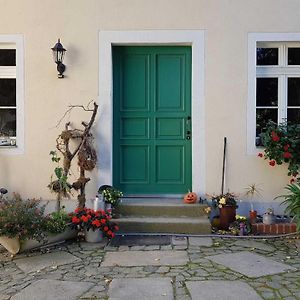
[[163, 225], [161, 209]]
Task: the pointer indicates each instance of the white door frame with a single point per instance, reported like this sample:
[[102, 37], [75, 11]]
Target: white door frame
[[194, 38]]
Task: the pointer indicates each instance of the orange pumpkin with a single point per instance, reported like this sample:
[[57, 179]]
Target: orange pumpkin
[[190, 198]]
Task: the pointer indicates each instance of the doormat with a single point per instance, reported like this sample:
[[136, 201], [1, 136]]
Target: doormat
[[140, 240]]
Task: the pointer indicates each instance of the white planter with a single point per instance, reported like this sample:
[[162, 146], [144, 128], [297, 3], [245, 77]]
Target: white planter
[[94, 236], [12, 245], [51, 238]]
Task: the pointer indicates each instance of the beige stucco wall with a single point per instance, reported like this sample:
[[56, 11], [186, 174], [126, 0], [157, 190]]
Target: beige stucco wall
[[77, 23]]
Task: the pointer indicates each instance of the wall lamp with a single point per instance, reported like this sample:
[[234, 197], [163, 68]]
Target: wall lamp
[[58, 56]]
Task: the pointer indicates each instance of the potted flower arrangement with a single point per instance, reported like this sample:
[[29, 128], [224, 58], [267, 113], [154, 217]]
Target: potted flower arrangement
[[282, 145], [111, 196], [20, 220], [241, 226], [227, 206], [94, 223]]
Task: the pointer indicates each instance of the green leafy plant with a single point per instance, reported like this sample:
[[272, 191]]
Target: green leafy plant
[[57, 221], [22, 219], [110, 194], [60, 185], [89, 219], [282, 145], [292, 202]]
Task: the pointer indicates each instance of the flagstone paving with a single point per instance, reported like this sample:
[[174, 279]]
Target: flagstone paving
[[192, 267]]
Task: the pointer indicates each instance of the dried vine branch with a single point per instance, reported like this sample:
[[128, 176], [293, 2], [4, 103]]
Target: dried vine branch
[[84, 150]]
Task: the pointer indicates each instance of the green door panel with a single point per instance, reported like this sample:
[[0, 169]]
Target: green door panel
[[152, 106]]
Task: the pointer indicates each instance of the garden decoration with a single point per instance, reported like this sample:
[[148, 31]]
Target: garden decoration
[[282, 145], [227, 206], [190, 198], [269, 217], [85, 152], [93, 223]]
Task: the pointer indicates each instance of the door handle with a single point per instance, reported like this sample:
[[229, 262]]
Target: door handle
[[188, 128]]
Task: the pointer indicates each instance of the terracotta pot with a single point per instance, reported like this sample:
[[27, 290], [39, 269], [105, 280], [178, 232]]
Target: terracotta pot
[[252, 216], [12, 245], [227, 216]]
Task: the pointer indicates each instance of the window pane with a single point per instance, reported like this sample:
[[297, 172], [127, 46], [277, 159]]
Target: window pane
[[293, 91], [266, 91], [293, 115], [266, 56], [263, 115], [7, 92], [7, 57], [293, 56], [7, 122]]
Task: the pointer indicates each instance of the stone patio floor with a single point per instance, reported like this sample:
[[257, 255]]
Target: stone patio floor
[[189, 268]]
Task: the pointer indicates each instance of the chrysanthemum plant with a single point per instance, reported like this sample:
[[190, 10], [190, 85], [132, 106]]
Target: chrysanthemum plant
[[282, 145]]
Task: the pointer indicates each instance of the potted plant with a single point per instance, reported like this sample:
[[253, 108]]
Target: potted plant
[[251, 191], [292, 202], [94, 223], [111, 196], [20, 220], [241, 226], [227, 206]]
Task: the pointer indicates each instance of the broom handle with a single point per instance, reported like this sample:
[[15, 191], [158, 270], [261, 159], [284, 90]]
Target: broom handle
[[223, 170]]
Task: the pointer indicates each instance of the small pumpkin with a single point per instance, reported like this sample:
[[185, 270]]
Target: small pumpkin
[[190, 198]]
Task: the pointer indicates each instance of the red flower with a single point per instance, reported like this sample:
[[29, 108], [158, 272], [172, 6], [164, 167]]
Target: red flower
[[292, 180], [275, 137], [286, 147], [109, 232], [84, 218], [112, 235], [116, 227], [75, 220], [77, 210], [272, 163], [96, 223], [103, 221], [89, 216], [260, 154], [105, 228], [287, 155]]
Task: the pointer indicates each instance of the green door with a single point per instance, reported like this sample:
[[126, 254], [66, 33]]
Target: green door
[[152, 119]]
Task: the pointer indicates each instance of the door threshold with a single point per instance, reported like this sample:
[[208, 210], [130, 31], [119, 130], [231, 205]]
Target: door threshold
[[153, 196]]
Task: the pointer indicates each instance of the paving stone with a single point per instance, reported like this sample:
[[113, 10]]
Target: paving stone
[[254, 244], [200, 241], [145, 258], [53, 289], [35, 263], [250, 264], [179, 241], [141, 288], [219, 289]]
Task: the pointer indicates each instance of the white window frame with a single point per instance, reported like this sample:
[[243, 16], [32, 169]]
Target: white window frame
[[16, 72], [282, 71]]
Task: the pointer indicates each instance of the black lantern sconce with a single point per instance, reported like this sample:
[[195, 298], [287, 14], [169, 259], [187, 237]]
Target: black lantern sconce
[[58, 56]]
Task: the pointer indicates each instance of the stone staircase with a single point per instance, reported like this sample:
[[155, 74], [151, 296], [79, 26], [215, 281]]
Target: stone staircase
[[161, 215]]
